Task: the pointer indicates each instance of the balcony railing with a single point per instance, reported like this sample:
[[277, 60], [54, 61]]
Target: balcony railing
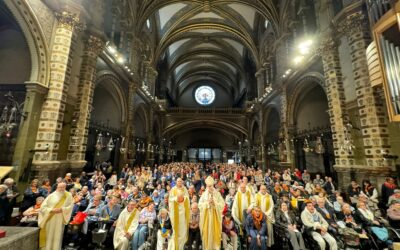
[[207, 110]]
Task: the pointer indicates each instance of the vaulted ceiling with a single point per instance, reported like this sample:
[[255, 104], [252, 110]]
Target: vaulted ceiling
[[216, 41], [219, 41]]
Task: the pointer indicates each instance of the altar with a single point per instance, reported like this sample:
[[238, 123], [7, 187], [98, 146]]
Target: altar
[[26, 238]]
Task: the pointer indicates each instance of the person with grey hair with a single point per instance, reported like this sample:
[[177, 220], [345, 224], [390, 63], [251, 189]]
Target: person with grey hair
[[164, 229], [12, 195], [30, 218], [4, 205]]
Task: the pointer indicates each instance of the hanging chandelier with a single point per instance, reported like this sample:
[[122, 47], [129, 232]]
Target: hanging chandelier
[[9, 115], [306, 146], [110, 144], [319, 147]]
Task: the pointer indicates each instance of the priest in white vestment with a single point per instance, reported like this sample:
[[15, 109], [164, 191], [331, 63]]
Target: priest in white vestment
[[54, 214], [242, 204], [211, 205], [264, 201], [126, 226], [179, 214]]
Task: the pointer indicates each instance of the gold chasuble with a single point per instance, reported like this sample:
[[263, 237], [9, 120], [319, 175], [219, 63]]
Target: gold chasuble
[[52, 224], [211, 219], [127, 223], [241, 202], [179, 212], [266, 203]]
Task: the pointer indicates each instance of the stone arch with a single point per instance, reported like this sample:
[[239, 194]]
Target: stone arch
[[140, 121], [271, 125], [301, 87], [109, 84], [255, 131], [34, 35]]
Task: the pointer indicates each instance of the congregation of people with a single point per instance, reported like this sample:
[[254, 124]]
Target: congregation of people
[[212, 206]]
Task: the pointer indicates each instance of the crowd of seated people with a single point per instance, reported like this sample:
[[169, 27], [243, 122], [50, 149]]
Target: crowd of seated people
[[263, 210]]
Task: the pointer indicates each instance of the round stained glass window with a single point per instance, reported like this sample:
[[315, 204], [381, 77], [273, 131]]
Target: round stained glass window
[[204, 95]]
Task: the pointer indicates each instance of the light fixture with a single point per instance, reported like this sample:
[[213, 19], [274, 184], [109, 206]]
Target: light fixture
[[111, 49], [306, 146], [9, 117], [319, 147], [121, 59], [122, 149], [305, 47], [298, 59]]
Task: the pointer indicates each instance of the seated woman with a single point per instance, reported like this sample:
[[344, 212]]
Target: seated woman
[[30, 218], [393, 214], [229, 231], [287, 220], [164, 230], [31, 193], [256, 229], [147, 215], [366, 218]]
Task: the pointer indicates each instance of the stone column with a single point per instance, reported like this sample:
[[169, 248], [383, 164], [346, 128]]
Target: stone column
[[35, 94], [372, 115], [284, 131], [262, 142], [336, 101], [52, 116], [81, 116], [260, 82], [130, 130], [149, 136], [151, 80]]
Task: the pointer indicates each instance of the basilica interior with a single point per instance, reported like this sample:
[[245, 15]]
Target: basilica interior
[[274, 84]]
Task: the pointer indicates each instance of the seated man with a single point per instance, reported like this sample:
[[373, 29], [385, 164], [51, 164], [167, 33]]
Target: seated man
[[126, 225], [393, 214], [194, 230], [110, 212], [147, 215], [317, 226], [286, 219], [328, 214], [256, 229], [93, 212], [229, 231]]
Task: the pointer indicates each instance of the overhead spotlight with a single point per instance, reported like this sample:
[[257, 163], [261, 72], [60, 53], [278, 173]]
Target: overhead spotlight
[[298, 59], [305, 47], [288, 71], [120, 60], [111, 49], [284, 76]]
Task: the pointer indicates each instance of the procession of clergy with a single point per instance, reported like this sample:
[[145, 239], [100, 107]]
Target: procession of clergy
[[56, 211]]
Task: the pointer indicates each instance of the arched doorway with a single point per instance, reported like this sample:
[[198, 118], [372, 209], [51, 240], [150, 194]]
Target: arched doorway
[[140, 138], [272, 127], [106, 121], [312, 129]]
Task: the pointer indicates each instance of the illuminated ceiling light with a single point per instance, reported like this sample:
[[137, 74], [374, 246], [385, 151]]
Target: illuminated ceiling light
[[120, 60], [284, 76], [131, 73], [298, 59], [305, 47], [288, 71], [111, 49]]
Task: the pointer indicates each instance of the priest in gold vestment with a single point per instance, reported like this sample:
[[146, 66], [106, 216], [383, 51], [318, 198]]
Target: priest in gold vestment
[[127, 224], [179, 214], [54, 214], [264, 201], [242, 204], [211, 205]]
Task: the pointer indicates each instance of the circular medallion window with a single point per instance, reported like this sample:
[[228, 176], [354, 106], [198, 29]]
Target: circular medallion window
[[204, 95]]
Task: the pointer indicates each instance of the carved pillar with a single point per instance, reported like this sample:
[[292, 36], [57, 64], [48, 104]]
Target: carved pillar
[[130, 129], [52, 116], [151, 80], [262, 158], [81, 116], [372, 115], [149, 136], [336, 101], [35, 95], [284, 131], [260, 82], [135, 56]]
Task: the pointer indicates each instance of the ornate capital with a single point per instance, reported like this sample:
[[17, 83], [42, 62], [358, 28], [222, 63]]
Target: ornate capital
[[69, 20], [95, 44], [328, 46], [353, 23]]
